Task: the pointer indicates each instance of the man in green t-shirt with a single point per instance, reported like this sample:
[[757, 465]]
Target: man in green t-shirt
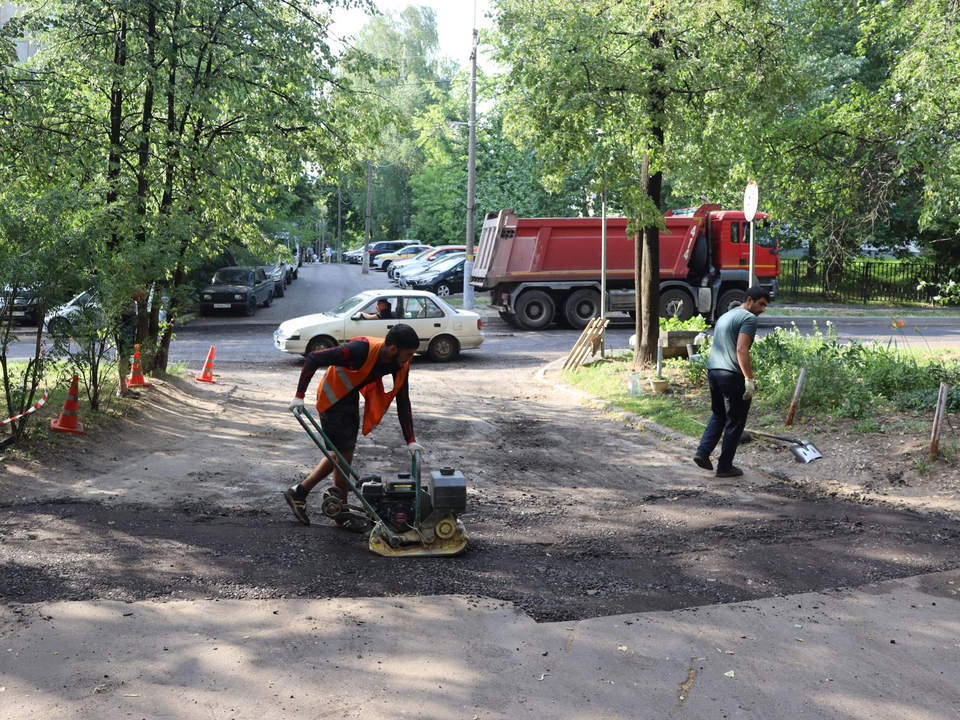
[[730, 377]]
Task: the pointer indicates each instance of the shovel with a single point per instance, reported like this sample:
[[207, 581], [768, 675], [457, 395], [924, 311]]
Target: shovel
[[803, 450]]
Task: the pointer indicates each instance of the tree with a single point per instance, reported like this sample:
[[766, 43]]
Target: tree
[[184, 121], [625, 84]]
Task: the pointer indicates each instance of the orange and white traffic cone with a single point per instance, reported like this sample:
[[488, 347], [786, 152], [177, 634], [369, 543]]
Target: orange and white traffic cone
[[136, 378], [69, 420], [207, 374]]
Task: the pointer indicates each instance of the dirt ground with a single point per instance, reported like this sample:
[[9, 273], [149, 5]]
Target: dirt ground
[[572, 513]]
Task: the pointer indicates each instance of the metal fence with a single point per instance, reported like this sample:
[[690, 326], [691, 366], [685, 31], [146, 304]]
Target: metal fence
[[857, 281]]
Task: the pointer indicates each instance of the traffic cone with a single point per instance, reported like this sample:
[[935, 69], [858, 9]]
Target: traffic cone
[[207, 374], [136, 378], [68, 421]]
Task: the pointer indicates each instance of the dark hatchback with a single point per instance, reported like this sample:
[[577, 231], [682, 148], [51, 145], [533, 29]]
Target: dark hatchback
[[237, 288], [445, 278], [25, 309]]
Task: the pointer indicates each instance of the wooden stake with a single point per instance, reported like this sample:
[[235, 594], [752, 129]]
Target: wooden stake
[[938, 421], [589, 343], [792, 412]]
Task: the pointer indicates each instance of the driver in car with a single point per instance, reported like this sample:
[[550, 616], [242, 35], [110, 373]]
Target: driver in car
[[384, 311]]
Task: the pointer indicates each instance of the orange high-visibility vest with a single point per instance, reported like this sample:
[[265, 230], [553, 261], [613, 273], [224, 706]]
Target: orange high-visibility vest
[[339, 381]]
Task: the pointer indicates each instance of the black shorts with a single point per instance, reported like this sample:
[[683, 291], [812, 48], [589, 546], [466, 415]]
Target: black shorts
[[341, 422]]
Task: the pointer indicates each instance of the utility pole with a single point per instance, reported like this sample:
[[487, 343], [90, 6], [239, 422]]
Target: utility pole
[[471, 180], [339, 225], [365, 267], [603, 258]]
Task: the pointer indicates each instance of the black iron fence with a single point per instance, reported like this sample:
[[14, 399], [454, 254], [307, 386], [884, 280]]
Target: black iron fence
[[857, 281]]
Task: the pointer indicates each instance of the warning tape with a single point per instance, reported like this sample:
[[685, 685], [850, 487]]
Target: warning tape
[[36, 406]]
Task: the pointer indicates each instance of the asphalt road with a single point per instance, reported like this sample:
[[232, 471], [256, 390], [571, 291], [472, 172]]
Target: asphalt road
[[321, 287]]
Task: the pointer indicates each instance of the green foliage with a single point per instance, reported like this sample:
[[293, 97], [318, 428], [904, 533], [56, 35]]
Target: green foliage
[[697, 322], [942, 294], [847, 379]]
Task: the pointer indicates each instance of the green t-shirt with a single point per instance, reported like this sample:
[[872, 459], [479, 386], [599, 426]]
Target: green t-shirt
[[723, 352]]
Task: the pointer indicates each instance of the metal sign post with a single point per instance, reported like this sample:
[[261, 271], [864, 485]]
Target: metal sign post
[[750, 198], [603, 260]]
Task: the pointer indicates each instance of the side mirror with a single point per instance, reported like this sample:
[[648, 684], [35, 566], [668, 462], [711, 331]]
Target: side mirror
[[356, 316]]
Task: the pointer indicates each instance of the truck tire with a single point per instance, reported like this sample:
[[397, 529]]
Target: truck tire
[[676, 303], [443, 348], [509, 318], [535, 310], [581, 307], [698, 258], [729, 300]]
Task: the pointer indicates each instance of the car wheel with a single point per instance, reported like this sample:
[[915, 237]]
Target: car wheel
[[677, 304], [58, 326], [535, 310], [386, 265], [443, 290], [730, 300], [320, 343], [581, 307], [282, 290], [296, 273], [269, 301], [443, 348], [251, 308]]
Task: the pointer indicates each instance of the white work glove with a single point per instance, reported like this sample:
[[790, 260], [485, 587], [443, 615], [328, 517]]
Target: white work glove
[[413, 447], [296, 403], [751, 389]]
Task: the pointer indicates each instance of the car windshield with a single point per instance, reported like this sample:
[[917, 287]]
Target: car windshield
[[82, 299], [447, 262], [232, 277], [348, 306]]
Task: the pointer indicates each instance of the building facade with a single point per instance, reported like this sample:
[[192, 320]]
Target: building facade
[[25, 48]]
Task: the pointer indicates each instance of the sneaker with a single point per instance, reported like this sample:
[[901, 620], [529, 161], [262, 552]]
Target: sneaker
[[734, 471], [703, 462], [298, 506]]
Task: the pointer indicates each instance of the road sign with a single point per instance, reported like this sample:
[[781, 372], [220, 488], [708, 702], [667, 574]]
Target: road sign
[[750, 197]]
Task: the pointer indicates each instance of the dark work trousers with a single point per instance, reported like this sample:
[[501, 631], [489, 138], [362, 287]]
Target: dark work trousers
[[729, 416]]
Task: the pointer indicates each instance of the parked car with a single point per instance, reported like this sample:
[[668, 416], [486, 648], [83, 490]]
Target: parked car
[[443, 330], [421, 265], [384, 247], [237, 288], [397, 265], [419, 262], [354, 256], [279, 273], [443, 278], [383, 261], [26, 306], [60, 319]]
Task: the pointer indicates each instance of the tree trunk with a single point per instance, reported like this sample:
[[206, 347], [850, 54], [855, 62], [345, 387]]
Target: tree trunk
[[648, 320], [143, 159], [116, 121]]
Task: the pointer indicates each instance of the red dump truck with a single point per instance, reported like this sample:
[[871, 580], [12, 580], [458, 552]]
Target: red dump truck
[[538, 270]]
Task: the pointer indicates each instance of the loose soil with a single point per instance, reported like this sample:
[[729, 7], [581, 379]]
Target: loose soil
[[572, 512]]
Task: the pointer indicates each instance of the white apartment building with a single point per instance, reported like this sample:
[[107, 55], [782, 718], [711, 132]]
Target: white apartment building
[[25, 48]]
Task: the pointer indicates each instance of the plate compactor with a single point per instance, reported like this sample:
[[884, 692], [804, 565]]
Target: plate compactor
[[404, 517]]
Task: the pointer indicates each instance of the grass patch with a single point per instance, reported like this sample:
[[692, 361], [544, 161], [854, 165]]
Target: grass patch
[[776, 311]]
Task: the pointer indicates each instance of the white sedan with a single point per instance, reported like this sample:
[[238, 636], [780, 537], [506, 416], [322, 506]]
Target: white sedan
[[444, 331]]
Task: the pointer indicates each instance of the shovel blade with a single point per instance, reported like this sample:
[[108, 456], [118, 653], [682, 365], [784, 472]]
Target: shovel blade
[[805, 452]]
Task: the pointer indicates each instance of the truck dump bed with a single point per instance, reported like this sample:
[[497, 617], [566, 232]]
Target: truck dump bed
[[516, 249]]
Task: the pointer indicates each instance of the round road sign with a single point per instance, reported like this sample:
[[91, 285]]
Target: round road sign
[[750, 197]]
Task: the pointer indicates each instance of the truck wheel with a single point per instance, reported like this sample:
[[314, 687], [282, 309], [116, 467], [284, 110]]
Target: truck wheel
[[581, 307], [535, 310], [698, 258], [677, 304], [320, 343], [443, 348], [251, 308], [509, 318], [730, 300]]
